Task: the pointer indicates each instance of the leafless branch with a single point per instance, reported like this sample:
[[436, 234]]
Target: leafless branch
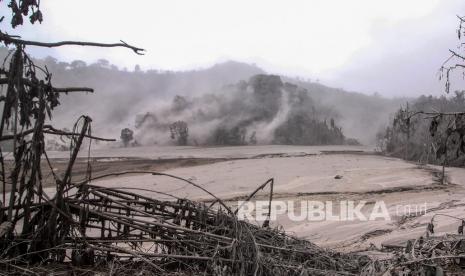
[[7, 39]]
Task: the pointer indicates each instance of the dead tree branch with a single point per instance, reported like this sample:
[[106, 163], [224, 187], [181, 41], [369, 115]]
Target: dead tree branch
[[7, 39]]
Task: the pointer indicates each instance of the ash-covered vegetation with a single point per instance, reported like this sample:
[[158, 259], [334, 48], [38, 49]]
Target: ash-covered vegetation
[[262, 110], [429, 130]]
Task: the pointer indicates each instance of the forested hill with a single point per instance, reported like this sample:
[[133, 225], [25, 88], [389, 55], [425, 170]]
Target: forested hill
[[121, 94], [360, 115]]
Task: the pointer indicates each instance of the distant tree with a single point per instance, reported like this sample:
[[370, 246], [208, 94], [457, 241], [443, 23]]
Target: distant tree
[[179, 103], [179, 132], [234, 136], [78, 64], [253, 138], [50, 60], [103, 63], [403, 125], [127, 136], [267, 93]]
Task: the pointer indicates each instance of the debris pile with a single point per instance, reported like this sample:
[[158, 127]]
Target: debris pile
[[426, 255], [130, 231]]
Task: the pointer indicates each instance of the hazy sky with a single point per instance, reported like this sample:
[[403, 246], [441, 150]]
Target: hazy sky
[[393, 47]]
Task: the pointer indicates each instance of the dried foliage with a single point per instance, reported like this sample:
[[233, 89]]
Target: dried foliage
[[426, 255], [436, 137], [127, 232], [24, 8]]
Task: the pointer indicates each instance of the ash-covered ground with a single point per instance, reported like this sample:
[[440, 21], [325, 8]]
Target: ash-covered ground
[[302, 173]]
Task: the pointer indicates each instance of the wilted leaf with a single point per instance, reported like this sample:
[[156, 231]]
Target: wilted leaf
[[36, 16]]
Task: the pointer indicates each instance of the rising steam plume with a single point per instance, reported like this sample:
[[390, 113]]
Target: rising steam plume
[[262, 110]]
